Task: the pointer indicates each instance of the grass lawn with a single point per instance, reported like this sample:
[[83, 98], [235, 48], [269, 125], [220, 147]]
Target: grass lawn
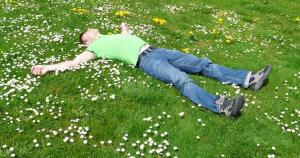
[[108, 108]]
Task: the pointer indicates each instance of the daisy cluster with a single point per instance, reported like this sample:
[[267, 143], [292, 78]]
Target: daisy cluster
[[174, 9], [104, 72], [51, 108], [68, 134], [154, 142], [10, 87], [230, 25], [8, 149], [282, 42], [288, 89], [143, 29], [288, 120], [12, 5], [229, 28], [297, 75], [14, 84], [73, 132], [272, 153], [86, 94], [227, 25]]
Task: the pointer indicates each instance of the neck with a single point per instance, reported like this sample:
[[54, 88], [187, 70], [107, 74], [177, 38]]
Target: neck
[[93, 40]]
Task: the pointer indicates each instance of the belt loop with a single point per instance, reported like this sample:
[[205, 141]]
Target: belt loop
[[146, 51]]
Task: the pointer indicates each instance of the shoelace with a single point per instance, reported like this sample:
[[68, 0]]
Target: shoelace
[[257, 75], [223, 102]]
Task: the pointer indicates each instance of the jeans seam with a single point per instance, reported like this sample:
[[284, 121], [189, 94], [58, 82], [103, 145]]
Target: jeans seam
[[183, 65]]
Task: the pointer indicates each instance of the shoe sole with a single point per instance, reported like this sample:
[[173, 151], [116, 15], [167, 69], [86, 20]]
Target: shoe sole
[[238, 103], [259, 84]]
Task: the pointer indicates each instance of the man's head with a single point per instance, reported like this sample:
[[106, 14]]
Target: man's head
[[89, 36]]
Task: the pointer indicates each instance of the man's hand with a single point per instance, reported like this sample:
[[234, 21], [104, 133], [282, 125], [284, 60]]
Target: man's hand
[[39, 69], [124, 28], [124, 25]]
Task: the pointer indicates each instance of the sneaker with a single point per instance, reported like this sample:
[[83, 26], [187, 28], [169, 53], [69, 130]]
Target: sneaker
[[230, 107], [258, 79]]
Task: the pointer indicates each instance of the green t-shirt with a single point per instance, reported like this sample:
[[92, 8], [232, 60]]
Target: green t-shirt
[[118, 46]]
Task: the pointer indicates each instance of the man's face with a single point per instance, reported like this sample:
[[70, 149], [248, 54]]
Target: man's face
[[91, 35]]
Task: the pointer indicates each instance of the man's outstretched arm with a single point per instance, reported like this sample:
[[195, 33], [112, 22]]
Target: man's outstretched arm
[[81, 58]]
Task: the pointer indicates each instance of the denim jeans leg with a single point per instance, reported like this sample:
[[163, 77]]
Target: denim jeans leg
[[185, 62], [192, 64], [224, 74], [158, 67]]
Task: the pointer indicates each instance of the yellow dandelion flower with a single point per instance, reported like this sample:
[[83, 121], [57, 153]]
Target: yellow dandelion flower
[[116, 30], [214, 31], [297, 19], [159, 21], [228, 39], [122, 13], [79, 11], [155, 19], [220, 20], [162, 21], [186, 50], [12, 2]]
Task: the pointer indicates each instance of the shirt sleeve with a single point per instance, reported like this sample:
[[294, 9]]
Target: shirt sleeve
[[92, 49]]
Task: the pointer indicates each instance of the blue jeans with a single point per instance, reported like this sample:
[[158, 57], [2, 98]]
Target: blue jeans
[[171, 66]]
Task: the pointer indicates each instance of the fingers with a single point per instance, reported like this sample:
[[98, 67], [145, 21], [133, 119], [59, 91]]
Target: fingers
[[32, 68], [123, 24], [35, 70], [39, 70]]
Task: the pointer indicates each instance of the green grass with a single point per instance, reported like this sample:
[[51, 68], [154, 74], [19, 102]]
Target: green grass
[[264, 32]]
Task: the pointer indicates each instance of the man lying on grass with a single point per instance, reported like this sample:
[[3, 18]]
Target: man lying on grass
[[169, 66]]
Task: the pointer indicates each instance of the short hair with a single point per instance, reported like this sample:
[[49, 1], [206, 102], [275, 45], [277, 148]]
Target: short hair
[[81, 39]]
